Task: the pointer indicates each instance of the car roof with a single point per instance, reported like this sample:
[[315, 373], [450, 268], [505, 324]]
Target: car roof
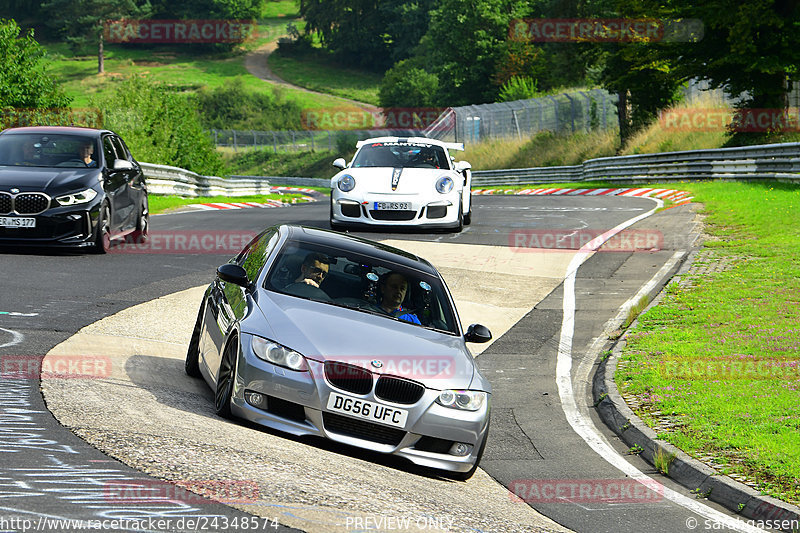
[[66, 130], [351, 243], [420, 140]]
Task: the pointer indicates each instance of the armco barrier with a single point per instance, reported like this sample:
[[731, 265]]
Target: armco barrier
[[770, 161], [163, 179]]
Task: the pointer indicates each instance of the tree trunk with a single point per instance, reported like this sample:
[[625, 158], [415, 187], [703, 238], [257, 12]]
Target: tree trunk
[[100, 62], [622, 115]]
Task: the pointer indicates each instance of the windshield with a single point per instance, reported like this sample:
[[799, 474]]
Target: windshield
[[401, 155], [331, 276], [46, 150]]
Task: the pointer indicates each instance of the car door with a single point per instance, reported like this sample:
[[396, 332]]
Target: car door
[[135, 190], [227, 302], [114, 184]]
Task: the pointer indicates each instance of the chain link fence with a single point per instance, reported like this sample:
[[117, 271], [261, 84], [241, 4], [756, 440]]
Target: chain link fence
[[564, 113], [301, 140]]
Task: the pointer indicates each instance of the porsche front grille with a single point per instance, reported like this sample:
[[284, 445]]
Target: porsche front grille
[[392, 215]]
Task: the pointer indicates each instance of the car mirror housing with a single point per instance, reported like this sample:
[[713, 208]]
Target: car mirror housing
[[122, 164], [233, 274], [340, 163], [461, 166], [478, 333]]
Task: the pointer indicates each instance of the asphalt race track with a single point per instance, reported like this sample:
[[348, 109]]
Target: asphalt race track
[[517, 269]]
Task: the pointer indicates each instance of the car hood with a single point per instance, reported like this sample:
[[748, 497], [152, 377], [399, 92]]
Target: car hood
[[379, 179], [324, 332], [49, 180]]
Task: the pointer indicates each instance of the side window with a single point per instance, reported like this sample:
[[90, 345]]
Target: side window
[[108, 151], [254, 257], [122, 151]]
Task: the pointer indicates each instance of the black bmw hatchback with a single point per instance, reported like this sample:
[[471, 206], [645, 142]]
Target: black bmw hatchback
[[68, 186]]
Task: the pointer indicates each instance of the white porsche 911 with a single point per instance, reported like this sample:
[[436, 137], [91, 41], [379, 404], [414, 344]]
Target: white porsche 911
[[402, 182]]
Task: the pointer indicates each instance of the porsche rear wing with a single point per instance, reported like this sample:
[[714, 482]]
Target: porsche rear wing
[[449, 146]]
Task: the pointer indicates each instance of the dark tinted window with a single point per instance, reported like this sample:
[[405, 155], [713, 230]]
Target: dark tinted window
[[121, 149], [255, 254], [44, 150], [401, 154], [109, 151], [358, 282]]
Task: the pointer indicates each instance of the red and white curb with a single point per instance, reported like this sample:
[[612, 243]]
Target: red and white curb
[[674, 195], [266, 204]]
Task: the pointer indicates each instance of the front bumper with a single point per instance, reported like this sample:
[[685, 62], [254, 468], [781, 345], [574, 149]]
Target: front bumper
[[296, 402], [70, 226], [442, 212]]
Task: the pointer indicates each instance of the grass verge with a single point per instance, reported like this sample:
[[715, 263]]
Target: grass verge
[[165, 203], [718, 360]]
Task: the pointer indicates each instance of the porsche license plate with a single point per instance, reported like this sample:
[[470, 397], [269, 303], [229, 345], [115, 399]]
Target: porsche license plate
[[392, 206], [371, 411], [17, 222]]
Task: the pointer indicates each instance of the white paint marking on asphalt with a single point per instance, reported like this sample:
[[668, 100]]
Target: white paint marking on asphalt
[[16, 338], [583, 425]]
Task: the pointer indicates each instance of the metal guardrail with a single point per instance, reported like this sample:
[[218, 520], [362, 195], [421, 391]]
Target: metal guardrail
[[770, 161]]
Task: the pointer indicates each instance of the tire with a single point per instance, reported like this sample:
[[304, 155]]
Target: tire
[[102, 240], [225, 379], [463, 476], [142, 230], [460, 225], [192, 365]]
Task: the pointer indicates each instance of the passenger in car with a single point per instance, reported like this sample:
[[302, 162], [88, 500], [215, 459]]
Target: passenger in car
[[393, 287], [86, 151]]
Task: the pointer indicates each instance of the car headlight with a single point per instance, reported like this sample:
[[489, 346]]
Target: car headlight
[[466, 400], [346, 183], [276, 354], [444, 184], [78, 198]]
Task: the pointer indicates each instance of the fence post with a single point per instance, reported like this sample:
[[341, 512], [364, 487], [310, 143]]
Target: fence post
[[274, 142], [571, 111], [255, 142], [311, 135], [294, 142], [235, 148], [330, 141], [555, 111]]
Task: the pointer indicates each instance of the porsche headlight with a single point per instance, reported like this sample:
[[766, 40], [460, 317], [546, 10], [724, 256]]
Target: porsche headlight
[[78, 198], [276, 354], [346, 183], [465, 400], [444, 185]]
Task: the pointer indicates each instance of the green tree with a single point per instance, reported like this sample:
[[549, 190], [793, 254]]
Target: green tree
[[159, 125], [750, 47], [371, 34], [206, 9], [80, 22], [405, 85], [464, 45], [232, 106], [24, 82]]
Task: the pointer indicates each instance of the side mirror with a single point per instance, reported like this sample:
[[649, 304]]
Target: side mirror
[[122, 164], [478, 333], [233, 274], [340, 163], [461, 166]]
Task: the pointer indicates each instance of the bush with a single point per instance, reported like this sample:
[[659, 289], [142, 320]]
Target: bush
[[233, 107], [159, 126], [519, 88], [405, 85]]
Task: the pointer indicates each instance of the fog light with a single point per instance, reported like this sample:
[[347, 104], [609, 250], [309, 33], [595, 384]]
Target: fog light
[[255, 399], [460, 449]]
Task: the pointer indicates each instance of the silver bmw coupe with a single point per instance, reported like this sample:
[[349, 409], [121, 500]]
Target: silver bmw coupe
[[315, 332]]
